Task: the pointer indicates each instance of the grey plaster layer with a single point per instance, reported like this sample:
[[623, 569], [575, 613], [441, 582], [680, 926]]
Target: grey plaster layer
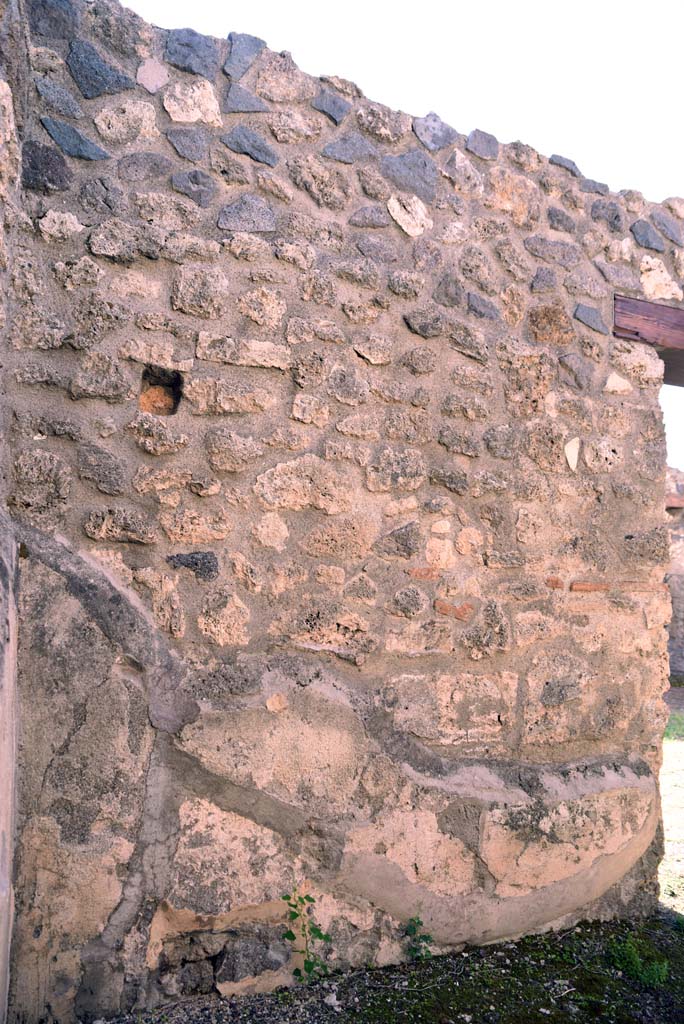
[[123, 620]]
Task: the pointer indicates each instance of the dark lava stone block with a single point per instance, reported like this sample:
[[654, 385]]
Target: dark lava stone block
[[71, 141], [190, 51], [44, 169], [93, 74]]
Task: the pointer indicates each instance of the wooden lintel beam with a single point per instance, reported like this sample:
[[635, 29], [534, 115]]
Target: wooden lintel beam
[[640, 320]]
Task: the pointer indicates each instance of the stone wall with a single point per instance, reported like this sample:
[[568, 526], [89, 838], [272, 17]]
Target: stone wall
[[340, 522], [8, 753], [675, 576], [9, 180]]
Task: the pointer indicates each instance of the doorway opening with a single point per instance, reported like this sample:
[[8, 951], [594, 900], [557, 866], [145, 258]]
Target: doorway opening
[[663, 327]]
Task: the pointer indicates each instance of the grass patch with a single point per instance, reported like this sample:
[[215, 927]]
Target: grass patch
[[637, 958], [675, 726]]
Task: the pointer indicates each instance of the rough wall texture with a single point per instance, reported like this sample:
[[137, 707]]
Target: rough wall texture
[[675, 576], [340, 515], [9, 178], [8, 725]]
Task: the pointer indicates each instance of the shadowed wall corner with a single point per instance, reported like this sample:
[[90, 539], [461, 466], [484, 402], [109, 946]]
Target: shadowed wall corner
[[13, 54], [7, 748]]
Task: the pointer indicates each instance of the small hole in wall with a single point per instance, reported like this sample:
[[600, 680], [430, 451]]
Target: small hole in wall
[[161, 391]]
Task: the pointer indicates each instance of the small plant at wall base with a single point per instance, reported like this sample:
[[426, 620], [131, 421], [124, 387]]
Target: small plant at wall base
[[419, 942], [639, 962], [300, 911]]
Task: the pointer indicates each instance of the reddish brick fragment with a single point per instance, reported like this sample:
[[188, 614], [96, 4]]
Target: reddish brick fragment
[[462, 612], [425, 572], [590, 587]]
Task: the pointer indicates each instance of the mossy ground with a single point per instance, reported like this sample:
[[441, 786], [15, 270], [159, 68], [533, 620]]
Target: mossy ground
[[573, 976], [612, 973]]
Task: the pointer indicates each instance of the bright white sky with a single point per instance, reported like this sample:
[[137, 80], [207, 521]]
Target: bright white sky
[[599, 81]]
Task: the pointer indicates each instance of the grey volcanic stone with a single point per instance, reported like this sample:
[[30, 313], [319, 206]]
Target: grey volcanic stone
[[100, 377], [71, 141], [332, 105], [100, 197], [420, 360], [243, 50], [370, 217], [376, 249], [453, 479], [449, 290], [566, 254], [54, 19], [190, 51], [646, 236], [236, 680], [410, 601], [349, 148], [577, 370], [428, 323], [248, 142], [479, 306], [44, 169], [609, 211], [559, 220], [250, 950], [101, 468], [501, 442], [248, 213], [467, 342], [458, 443], [618, 275], [403, 542], [668, 226], [143, 166], [433, 132], [197, 185], [190, 143], [590, 317], [482, 144], [347, 386], [544, 280], [57, 97], [93, 74], [589, 185], [196, 977], [204, 564], [239, 100], [414, 172], [567, 165]]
